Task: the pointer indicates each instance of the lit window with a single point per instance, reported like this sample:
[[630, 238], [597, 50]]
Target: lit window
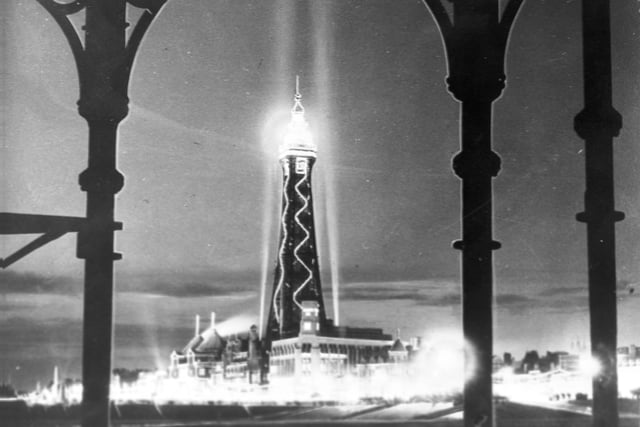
[[301, 165], [306, 326]]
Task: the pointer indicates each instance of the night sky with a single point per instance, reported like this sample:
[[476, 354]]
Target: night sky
[[212, 87]]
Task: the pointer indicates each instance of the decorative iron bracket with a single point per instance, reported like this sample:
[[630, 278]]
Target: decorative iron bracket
[[468, 49], [52, 227], [61, 12]]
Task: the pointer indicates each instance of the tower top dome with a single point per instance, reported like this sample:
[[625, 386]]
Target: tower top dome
[[297, 140]]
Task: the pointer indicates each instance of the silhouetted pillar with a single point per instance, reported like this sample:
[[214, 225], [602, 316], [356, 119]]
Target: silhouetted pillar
[[476, 42], [103, 105], [597, 124], [104, 65]]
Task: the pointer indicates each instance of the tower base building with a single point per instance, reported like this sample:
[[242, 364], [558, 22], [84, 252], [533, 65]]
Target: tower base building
[[329, 351]]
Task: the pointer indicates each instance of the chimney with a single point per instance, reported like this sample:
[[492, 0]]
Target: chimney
[[197, 325], [213, 320], [56, 377], [416, 342]]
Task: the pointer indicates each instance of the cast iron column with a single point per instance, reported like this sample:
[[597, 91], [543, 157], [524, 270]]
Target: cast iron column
[[104, 65], [476, 43], [597, 124], [103, 103]]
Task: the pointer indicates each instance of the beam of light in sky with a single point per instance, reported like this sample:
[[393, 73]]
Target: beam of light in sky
[[267, 237], [322, 44], [590, 366], [282, 18], [268, 212]]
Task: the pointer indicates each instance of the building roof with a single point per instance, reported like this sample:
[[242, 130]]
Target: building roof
[[208, 341], [356, 333], [398, 346]]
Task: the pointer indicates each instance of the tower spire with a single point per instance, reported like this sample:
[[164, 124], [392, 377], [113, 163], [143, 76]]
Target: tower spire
[[297, 139], [297, 99]]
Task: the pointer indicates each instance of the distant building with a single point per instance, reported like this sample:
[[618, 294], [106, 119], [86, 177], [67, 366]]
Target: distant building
[[569, 362], [507, 359], [339, 351], [628, 356], [549, 362], [209, 355], [530, 362], [332, 350], [497, 363]]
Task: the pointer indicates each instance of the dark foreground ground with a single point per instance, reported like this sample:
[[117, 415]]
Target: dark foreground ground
[[18, 414]]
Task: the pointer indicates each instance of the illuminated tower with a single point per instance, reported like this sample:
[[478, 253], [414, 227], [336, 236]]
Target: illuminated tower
[[297, 277]]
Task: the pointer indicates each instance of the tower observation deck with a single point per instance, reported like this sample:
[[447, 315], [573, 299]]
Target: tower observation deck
[[297, 276]]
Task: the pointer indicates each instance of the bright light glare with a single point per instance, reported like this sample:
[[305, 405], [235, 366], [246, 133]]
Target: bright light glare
[[590, 366], [506, 372], [297, 134]]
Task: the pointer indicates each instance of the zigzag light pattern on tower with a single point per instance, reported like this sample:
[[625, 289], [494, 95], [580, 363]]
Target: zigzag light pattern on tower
[[303, 242], [277, 293]]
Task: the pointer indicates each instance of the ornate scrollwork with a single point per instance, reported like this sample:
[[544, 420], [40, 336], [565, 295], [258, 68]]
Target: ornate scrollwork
[[59, 12], [508, 16], [447, 27], [152, 8], [441, 16], [151, 5], [464, 53], [68, 8]]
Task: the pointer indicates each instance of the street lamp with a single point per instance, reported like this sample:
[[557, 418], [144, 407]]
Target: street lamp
[[104, 63], [598, 123], [476, 42]]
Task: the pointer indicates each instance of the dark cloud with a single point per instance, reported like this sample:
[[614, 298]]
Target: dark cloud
[[34, 283], [513, 299], [186, 284], [431, 294], [545, 302], [20, 333], [562, 290], [373, 272], [182, 289], [421, 295], [377, 294], [569, 304], [367, 272], [145, 337], [36, 328], [37, 346], [440, 301], [33, 338], [172, 284]]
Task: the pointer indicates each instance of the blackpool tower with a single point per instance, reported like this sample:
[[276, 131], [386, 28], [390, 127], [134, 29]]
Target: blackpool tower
[[297, 277]]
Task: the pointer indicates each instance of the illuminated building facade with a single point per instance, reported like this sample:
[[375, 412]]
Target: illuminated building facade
[[208, 355], [333, 350]]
